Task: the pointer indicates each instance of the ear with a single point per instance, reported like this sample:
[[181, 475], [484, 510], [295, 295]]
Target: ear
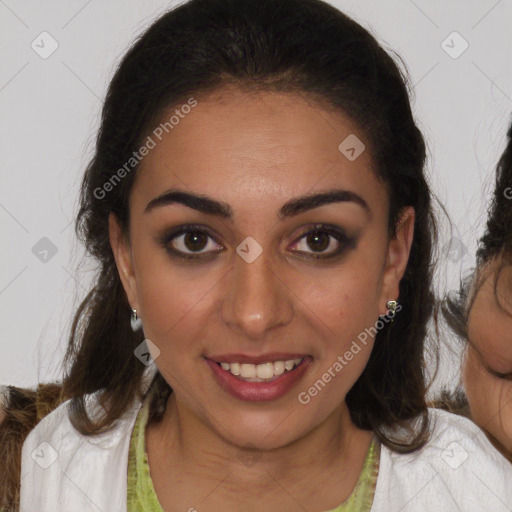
[[122, 254], [399, 248]]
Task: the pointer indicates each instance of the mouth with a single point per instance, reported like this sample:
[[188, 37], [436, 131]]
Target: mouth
[[263, 372], [258, 378]]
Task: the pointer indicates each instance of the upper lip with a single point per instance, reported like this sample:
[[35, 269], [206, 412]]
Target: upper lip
[[263, 358]]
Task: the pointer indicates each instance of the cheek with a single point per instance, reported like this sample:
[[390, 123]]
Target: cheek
[[505, 416], [490, 400], [346, 315], [489, 329], [480, 386], [344, 300], [495, 414], [473, 392], [171, 299], [356, 307]]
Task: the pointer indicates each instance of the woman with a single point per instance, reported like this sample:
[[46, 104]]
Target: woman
[[257, 205], [482, 316]]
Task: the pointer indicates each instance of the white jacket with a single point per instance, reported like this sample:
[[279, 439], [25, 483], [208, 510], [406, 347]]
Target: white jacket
[[458, 470]]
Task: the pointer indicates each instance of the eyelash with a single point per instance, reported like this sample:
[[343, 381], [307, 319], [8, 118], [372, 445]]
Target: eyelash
[[503, 376], [341, 237]]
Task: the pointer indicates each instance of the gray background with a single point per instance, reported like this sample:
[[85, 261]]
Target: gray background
[[50, 113]]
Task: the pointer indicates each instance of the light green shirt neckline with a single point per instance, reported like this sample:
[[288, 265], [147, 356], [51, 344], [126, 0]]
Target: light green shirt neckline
[[142, 497]]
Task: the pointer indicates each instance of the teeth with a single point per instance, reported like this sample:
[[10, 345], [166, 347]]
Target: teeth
[[255, 372], [278, 367], [265, 371], [247, 370]]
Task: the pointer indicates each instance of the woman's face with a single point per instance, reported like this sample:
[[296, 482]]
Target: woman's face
[[247, 285], [490, 333]]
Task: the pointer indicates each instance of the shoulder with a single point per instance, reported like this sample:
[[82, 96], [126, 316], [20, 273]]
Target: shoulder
[[62, 469], [57, 425], [457, 467], [44, 441], [56, 432]]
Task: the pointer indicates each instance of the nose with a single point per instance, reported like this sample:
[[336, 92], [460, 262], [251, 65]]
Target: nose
[[257, 299]]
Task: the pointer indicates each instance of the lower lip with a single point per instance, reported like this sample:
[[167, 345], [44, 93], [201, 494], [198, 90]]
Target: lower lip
[[258, 391]]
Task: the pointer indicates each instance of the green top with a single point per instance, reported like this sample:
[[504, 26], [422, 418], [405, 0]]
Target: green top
[[142, 496]]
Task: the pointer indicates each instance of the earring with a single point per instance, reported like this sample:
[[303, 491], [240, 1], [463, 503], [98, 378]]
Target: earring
[[391, 305], [135, 321]]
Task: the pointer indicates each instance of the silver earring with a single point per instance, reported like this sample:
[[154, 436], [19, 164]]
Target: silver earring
[[135, 321], [391, 305], [391, 310]]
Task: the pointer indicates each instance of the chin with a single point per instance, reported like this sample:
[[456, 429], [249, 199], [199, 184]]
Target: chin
[[263, 432]]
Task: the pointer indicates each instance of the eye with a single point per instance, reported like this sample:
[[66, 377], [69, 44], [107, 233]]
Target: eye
[[499, 375], [325, 240], [489, 367], [194, 242], [188, 242]]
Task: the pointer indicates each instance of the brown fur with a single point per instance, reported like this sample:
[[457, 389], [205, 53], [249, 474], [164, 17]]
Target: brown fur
[[24, 408]]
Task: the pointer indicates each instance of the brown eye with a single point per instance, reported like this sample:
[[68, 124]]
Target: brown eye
[[189, 242], [195, 240], [318, 241], [324, 242]]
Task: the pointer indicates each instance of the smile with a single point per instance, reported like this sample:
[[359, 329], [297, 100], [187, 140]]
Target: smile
[[264, 381], [260, 372]]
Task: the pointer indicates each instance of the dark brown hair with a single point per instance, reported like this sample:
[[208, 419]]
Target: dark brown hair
[[24, 408], [305, 47], [495, 246], [495, 249]]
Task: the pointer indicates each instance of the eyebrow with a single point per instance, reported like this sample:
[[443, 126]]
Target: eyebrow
[[295, 206]]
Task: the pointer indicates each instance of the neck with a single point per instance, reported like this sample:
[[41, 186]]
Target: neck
[[332, 452]]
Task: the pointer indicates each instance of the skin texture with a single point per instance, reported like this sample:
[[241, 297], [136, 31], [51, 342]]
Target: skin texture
[[255, 152], [489, 331]]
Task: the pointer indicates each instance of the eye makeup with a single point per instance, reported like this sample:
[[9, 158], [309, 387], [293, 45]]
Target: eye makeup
[[312, 233]]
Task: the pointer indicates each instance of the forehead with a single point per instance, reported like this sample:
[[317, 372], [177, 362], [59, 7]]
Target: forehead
[[259, 145]]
